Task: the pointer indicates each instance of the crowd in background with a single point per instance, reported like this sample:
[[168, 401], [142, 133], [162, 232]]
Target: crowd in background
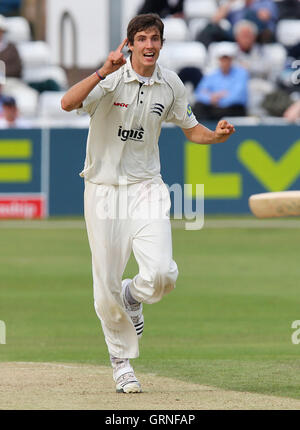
[[15, 87], [244, 79]]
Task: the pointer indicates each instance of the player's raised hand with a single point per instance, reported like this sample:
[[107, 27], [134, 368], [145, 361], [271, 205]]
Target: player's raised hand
[[223, 131], [115, 60]]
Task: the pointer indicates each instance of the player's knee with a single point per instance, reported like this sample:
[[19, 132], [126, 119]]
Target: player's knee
[[161, 282]]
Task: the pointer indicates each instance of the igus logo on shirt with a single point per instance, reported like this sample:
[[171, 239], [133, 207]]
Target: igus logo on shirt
[[136, 134]]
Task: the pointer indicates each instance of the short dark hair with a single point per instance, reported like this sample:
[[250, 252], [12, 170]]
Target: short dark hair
[[9, 101], [143, 22]]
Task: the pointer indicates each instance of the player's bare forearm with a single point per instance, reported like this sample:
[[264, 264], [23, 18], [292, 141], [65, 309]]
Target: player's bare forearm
[[75, 96], [199, 134], [204, 136]]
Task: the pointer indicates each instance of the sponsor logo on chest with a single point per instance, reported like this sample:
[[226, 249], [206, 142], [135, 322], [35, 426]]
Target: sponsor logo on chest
[[136, 134], [122, 105]]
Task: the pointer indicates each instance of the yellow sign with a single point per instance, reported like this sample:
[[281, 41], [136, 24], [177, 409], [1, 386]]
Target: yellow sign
[[273, 175], [15, 149], [198, 171]]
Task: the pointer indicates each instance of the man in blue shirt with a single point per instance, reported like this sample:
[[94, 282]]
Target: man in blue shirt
[[223, 92], [263, 13]]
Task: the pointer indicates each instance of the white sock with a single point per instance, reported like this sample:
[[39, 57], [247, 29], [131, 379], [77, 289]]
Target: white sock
[[131, 300], [118, 362]]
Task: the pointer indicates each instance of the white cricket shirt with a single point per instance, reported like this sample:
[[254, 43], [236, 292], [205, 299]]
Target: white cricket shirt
[[125, 123]]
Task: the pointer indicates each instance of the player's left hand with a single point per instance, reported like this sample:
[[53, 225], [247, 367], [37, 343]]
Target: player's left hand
[[223, 131]]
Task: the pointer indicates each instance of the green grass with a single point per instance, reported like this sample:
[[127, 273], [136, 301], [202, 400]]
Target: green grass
[[227, 324]]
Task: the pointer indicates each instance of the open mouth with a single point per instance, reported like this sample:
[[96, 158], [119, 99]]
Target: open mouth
[[149, 55]]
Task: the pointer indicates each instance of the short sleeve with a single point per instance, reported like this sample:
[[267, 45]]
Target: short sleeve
[[181, 112], [90, 104]]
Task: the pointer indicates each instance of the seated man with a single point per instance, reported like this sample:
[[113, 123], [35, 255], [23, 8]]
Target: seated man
[[250, 55], [223, 92], [263, 13], [10, 117], [9, 53]]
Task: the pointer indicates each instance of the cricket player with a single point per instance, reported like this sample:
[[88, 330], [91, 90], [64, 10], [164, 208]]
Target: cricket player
[[126, 203]]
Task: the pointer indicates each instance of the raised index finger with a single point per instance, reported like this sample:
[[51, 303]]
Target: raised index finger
[[122, 44]]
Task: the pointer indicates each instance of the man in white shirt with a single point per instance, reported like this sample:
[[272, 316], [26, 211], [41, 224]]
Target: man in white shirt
[[126, 201]]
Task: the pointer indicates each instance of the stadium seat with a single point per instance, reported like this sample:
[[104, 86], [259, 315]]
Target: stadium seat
[[196, 25], [199, 8], [175, 56], [26, 97], [51, 113], [176, 30], [35, 53], [50, 105], [278, 54], [37, 65], [288, 32], [258, 89], [44, 73], [18, 29]]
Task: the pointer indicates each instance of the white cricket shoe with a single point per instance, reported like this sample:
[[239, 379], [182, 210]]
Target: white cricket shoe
[[134, 311], [124, 377], [128, 383]]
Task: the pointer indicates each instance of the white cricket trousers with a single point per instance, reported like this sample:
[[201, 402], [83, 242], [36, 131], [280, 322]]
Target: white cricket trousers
[[121, 219]]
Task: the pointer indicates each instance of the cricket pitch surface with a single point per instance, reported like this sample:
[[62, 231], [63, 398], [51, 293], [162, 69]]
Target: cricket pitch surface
[[56, 386]]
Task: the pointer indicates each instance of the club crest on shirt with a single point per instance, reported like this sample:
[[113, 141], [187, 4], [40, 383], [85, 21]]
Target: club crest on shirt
[[157, 108], [136, 134]]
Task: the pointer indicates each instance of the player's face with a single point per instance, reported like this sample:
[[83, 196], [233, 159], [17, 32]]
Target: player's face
[[145, 49]]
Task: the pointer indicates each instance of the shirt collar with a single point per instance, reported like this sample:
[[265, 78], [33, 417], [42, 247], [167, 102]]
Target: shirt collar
[[130, 75]]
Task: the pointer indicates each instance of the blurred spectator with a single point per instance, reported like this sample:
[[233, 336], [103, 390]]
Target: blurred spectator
[[10, 117], [191, 77], [190, 74], [10, 7], [258, 60], [163, 8], [289, 78], [292, 113], [223, 92], [264, 13], [9, 53], [250, 54], [289, 9]]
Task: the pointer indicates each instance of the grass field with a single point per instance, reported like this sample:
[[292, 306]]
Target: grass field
[[227, 324]]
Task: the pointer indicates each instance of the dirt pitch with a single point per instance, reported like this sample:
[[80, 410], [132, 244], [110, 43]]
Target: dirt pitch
[[54, 386]]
